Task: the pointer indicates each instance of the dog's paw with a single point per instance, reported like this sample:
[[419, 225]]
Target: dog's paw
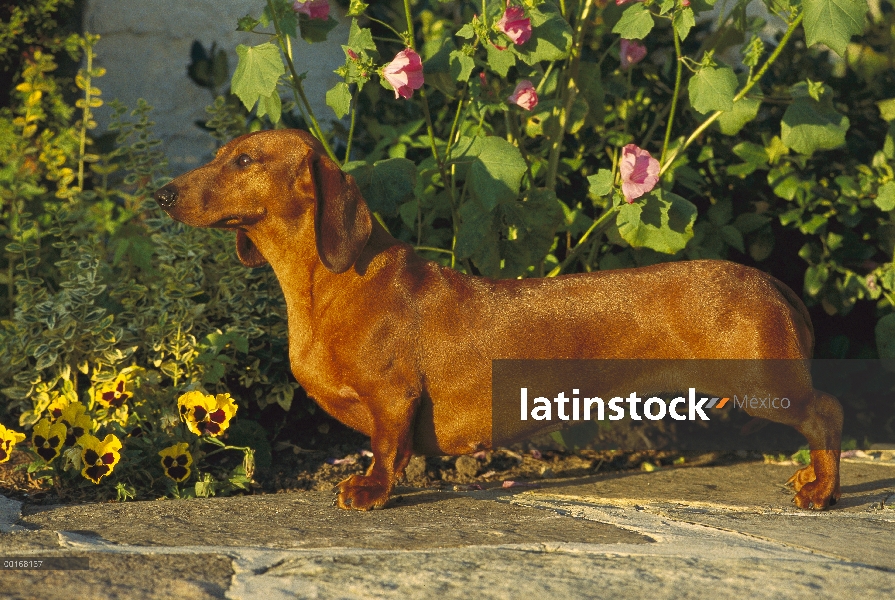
[[362, 493], [814, 496], [801, 478]]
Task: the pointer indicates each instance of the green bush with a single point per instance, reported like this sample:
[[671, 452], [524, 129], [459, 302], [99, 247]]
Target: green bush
[[107, 295]]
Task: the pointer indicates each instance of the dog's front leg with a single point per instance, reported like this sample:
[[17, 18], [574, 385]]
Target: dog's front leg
[[392, 444]]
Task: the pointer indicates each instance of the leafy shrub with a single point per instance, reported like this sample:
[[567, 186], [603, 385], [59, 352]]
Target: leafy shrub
[[113, 311]]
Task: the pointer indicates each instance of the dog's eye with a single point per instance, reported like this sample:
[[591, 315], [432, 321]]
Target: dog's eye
[[243, 160]]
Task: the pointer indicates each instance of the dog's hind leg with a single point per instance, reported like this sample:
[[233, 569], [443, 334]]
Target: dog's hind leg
[[817, 485]]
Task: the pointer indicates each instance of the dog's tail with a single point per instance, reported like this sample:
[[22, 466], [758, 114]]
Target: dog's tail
[[806, 334]]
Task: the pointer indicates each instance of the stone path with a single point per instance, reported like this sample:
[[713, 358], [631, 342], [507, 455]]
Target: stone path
[[672, 533]]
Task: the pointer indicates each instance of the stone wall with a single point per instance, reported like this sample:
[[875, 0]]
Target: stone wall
[[145, 47]]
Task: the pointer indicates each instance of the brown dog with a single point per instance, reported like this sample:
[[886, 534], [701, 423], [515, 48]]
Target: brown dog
[[400, 348]]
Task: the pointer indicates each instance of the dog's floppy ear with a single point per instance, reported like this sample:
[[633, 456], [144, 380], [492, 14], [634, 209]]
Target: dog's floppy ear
[[343, 222], [247, 252]]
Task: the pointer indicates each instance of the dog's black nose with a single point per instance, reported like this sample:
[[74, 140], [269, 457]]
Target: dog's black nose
[[166, 196]]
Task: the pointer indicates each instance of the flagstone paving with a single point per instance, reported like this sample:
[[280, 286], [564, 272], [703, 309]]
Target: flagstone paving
[[670, 533]]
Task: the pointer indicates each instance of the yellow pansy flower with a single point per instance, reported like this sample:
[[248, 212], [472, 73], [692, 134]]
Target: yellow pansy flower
[[8, 439], [176, 461], [48, 438], [99, 457], [112, 394], [206, 414], [76, 421]]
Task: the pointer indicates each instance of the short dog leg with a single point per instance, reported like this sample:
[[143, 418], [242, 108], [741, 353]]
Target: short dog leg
[[817, 485], [392, 446]]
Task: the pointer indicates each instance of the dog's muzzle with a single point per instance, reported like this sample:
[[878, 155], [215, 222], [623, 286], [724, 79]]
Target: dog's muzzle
[[166, 196]]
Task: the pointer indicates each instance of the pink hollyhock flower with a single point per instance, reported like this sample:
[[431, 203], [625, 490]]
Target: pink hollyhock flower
[[639, 171], [632, 52], [404, 73], [515, 24], [524, 95], [620, 2], [314, 9]]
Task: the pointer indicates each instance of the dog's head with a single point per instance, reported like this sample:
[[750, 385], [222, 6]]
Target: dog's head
[[274, 177]]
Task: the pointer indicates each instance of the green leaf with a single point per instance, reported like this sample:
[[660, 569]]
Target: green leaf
[[600, 183], [461, 65], [466, 32], [551, 35], [815, 278], [247, 23], [744, 110], [385, 184], [339, 99], [271, 106], [635, 24], [356, 8], [753, 154], [809, 125], [500, 61], [683, 21], [257, 73], [532, 225], [360, 39], [833, 22], [495, 168], [733, 237], [887, 109], [885, 197], [885, 336], [315, 30], [477, 238], [712, 88], [590, 87], [661, 221]]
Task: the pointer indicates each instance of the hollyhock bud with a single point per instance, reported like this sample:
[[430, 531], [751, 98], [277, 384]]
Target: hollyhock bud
[[314, 9], [515, 24], [639, 171], [524, 95], [632, 52], [404, 73]]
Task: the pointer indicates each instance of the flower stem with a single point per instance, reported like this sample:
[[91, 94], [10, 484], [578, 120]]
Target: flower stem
[[749, 85], [297, 87], [677, 89], [351, 128], [597, 226], [568, 96]]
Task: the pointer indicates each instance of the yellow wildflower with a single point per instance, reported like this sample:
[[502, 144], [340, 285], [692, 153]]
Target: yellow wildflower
[[206, 414], [176, 461], [112, 394], [8, 439], [48, 438], [99, 457], [76, 421]]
